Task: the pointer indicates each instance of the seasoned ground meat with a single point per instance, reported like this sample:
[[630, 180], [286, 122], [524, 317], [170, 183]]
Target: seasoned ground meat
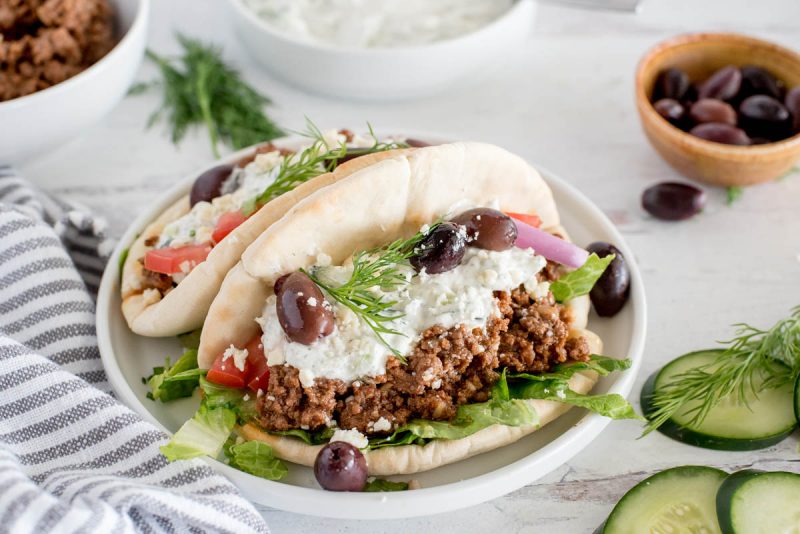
[[154, 280], [44, 42], [446, 368]]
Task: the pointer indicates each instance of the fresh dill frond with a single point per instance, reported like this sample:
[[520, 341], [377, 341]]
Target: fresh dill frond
[[771, 356], [199, 88], [376, 269], [316, 159]]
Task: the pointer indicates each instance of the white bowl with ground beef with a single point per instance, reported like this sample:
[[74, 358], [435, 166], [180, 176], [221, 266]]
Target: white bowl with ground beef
[[128, 357], [52, 84]]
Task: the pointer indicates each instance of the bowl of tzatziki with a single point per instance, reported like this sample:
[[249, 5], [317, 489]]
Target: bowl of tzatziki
[[380, 49]]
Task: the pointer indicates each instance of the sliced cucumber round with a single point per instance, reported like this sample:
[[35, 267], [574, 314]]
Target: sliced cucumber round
[[681, 499], [731, 425], [754, 502]]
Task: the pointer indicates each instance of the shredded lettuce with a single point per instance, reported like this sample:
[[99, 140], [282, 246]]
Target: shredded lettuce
[[203, 434], [175, 381], [256, 458], [580, 281], [240, 401], [310, 438], [379, 484]]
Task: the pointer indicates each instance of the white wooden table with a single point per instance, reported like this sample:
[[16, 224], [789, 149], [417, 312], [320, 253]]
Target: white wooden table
[[565, 102]]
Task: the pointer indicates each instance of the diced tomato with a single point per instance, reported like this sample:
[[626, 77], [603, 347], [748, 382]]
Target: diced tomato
[[226, 224], [259, 373], [531, 220], [225, 373], [171, 260]]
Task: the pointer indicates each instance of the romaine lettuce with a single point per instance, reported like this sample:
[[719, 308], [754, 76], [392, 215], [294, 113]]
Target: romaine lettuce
[[580, 281]]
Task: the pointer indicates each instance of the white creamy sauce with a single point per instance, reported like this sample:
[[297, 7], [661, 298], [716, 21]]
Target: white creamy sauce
[[463, 295], [243, 185], [378, 23]]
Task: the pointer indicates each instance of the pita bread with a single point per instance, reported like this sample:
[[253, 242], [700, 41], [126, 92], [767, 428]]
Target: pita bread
[[389, 199], [182, 309]]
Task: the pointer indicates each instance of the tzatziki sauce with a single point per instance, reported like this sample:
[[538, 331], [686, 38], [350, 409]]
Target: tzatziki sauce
[[377, 23], [463, 295]]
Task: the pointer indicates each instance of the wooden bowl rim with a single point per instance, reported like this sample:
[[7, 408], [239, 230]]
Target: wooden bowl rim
[[710, 148]]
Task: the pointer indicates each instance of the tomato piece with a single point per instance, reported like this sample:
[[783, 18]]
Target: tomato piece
[[226, 224], [171, 260], [259, 373], [225, 373], [531, 220]]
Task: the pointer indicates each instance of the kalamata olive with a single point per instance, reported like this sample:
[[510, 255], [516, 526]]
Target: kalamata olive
[[612, 289], [721, 133], [758, 81], [488, 229], [416, 143], [340, 467], [792, 102], [670, 109], [722, 85], [303, 313], [671, 83], [441, 250], [711, 110], [208, 185], [673, 201], [764, 116]]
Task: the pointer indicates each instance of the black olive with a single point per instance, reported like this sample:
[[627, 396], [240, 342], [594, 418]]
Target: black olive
[[303, 312], [488, 229], [340, 467], [208, 185], [612, 289], [441, 250], [673, 201]]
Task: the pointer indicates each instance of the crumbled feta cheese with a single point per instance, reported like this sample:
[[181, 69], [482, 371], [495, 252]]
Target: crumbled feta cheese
[[323, 260], [239, 356], [246, 397], [268, 161], [312, 302], [352, 436], [306, 378], [382, 425], [260, 393], [436, 383]]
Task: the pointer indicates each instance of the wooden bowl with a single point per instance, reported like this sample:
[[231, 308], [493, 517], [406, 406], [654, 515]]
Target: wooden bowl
[[700, 55]]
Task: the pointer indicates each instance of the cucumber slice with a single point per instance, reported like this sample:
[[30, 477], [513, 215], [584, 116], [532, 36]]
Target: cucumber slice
[[681, 499], [730, 425], [754, 502]]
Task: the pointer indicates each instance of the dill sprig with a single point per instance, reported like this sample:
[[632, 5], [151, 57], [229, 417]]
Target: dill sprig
[[200, 89], [771, 356], [316, 159], [376, 269]]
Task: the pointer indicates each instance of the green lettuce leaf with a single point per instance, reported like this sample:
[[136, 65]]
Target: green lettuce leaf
[[310, 438], [379, 484], [190, 340], [580, 281], [602, 365], [176, 381], [203, 434], [258, 459], [469, 419], [123, 256], [241, 402]]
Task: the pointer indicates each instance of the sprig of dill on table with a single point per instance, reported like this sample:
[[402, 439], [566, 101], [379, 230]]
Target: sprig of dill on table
[[770, 355], [376, 269], [199, 88]]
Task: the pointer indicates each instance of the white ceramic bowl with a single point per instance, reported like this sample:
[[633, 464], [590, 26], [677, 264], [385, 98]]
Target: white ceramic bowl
[[38, 122], [128, 357], [381, 73]]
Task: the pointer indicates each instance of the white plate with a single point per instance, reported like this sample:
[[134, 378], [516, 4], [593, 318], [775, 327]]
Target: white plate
[[128, 357]]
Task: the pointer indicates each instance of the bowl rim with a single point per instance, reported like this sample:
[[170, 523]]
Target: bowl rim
[[248, 14], [394, 505], [710, 148], [138, 24]]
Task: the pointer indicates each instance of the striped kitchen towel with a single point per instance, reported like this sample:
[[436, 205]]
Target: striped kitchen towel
[[72, 458]]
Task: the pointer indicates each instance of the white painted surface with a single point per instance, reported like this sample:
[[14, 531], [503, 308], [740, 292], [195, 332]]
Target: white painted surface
[[566, 102]]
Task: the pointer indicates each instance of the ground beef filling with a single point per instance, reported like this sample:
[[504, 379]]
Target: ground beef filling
[[447, 368]]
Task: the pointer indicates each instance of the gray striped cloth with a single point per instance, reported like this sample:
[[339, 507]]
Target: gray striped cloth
[[72, 458]]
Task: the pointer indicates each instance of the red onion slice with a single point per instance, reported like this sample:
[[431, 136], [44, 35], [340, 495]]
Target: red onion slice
[[549, 246]]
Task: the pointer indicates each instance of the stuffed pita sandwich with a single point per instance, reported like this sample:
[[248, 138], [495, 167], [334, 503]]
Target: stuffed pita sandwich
[[403, 311]]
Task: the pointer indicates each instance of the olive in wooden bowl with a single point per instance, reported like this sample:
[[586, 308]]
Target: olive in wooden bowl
[[711, 127]]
